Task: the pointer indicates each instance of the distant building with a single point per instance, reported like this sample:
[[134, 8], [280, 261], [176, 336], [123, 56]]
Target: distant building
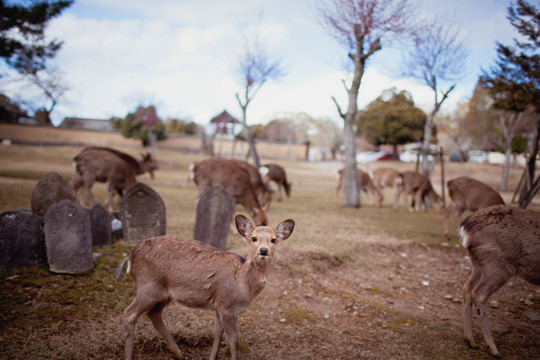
[[86, 124], [224, 124]]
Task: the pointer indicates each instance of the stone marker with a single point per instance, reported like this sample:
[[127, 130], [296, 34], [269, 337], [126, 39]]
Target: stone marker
[[68, 238], [100, 220], [214, 215], [142, 212], [21, 239], [49, 190]]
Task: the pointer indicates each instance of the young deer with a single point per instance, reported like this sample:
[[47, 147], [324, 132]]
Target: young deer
[[275, 173], [501, 241], [169, 268], [234, 179], [104, 166], [417, 186], [366, 184], [384, 177], [148, 163], [263, 194], [468, 194]]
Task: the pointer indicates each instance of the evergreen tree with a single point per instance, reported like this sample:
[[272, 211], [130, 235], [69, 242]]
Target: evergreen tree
[[22, 34], [393, 119], [514, 80]]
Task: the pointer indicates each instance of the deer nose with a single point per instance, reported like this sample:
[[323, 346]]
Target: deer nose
[[263, 251]]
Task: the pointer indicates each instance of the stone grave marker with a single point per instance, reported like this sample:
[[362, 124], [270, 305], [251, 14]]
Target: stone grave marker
[[142, 212], [100, 221], [21, 239], [49, 190], [68, 238], [214, 215]]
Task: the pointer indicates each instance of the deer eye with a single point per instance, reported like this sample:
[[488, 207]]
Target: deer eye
[[273, 240], [254, 239]]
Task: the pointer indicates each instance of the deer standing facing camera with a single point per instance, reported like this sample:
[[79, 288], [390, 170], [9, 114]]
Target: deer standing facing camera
[[169, 268]]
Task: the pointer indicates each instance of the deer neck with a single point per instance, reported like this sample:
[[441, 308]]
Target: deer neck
[[254, 275]]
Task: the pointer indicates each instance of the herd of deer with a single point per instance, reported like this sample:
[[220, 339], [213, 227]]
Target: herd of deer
[[501, 241]]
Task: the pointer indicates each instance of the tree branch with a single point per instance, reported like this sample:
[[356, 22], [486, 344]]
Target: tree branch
[[341, 114]]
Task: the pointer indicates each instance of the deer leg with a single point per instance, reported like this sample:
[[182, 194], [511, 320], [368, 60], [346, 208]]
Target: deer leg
[[218, 332], [468, 305], [229, 324], [131, 315], [481, 293], [155, 315], [397, 194], [279, 191], [111, 190], [446, 214], [88, 183]]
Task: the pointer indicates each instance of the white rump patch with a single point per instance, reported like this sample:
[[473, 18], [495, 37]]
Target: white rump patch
[[464, 237], [264, 170], [399, 180], [192, 171]]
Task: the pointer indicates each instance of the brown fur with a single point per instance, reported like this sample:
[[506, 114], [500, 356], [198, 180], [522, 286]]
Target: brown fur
[[502, 241], [417, 186], [103, 166], [277, 174], [170, 268], [263, 195], [235, 180], [366, 184], [468, 194], [147, 163], [384, 177]]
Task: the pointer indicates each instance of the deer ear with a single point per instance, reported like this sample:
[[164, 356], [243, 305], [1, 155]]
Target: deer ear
[[243, 225], [285, 229]]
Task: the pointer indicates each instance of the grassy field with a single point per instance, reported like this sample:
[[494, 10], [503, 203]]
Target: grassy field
[[348, 284]]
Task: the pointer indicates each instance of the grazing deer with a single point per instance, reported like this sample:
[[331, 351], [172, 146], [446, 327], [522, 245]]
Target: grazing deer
[[366, 184], [275, 173], [468, 194], [384, 177], [263, 194], [147, 163], [235, 180], [104, 166], [197, 275], [417, 186], [501, 241]]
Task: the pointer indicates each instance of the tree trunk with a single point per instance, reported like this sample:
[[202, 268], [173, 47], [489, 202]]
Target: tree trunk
[[249, 138], [526, 195], [506, 166]]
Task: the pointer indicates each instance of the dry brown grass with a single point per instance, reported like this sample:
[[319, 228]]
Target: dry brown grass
[[346, 285]]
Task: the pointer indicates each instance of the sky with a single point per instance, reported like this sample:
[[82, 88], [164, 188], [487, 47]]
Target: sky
[[181, 56]]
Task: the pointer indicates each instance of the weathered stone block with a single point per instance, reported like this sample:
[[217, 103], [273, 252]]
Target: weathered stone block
[[215, 211], [68, 238], [21, 239], [48, 191], [142, 212]]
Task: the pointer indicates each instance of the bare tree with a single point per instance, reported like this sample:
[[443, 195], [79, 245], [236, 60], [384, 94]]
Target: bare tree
[[436, 59], [256, 66], [50, 82], [360, 26], [512, 124]]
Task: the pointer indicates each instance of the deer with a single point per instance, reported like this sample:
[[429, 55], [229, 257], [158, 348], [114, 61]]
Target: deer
[[366, 184], [104, 166], [417, 186], [197, 275], [275, 173], [469, 194], [147, 163], [235, 180], [384, 177], [501, 241], [263, 194]]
